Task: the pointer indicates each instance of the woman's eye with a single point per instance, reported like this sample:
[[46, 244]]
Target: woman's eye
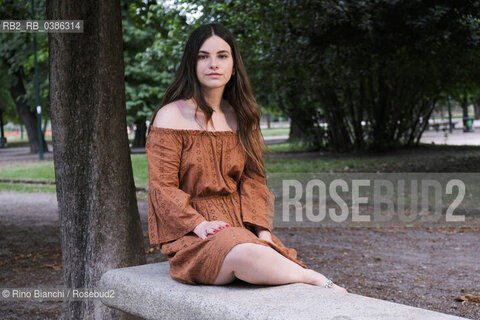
[[223, 56]]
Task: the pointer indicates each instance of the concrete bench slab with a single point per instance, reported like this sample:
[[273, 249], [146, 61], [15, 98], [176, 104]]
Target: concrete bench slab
[[147, 291]]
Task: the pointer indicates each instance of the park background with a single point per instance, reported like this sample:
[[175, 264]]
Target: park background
[[363, 86]]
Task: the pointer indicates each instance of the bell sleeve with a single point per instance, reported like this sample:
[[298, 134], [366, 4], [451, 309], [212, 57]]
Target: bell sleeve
[[170, 213], [256, 200]]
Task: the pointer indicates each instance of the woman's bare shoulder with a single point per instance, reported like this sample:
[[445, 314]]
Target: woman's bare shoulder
[[170, 116]]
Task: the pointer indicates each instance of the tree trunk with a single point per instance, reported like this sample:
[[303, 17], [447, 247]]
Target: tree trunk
[[335, 117], [99, 220], [140, 134], [465, 106], [296, 132], [3, 140], [2, 134], [476, 106], [28, 117]]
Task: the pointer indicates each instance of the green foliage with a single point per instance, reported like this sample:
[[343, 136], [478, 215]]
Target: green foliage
[[16, 53], [371, 70], [7, 105], [154, 37], [350, 75]]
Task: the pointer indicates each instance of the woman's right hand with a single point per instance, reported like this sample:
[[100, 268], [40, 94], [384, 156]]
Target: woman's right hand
[[209, 227]]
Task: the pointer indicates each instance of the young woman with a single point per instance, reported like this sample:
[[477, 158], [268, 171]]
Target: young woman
[[209, 206]]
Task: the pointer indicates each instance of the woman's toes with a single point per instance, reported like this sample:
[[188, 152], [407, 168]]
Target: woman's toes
[[340, 289]]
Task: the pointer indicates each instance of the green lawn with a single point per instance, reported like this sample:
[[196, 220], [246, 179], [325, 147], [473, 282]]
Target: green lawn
[[18, 142], [45, 171], [317, 165], [140, 170], [275, 132], [36, 171], [27, 187], [287, 147]]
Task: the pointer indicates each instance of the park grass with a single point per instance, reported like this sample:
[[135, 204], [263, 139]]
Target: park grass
[[37, 171], [317, 165], [140, 170], [31, 188], [287, 147], [45, 171], [15, 142], [284, 158], [275, 132]]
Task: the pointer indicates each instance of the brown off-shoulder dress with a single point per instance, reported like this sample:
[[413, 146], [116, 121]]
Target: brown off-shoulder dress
[[198, 175]]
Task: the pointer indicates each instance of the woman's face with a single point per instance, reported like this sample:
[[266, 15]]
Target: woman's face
[[214, 63]]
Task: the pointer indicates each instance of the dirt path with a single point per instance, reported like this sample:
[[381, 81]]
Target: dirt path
[[416, 266]]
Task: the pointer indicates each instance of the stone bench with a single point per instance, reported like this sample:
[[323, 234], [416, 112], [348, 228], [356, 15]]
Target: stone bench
[[147, 291]]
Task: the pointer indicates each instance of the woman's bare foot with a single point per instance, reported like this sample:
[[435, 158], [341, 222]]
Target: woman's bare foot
[[338, 288], [319, 279]]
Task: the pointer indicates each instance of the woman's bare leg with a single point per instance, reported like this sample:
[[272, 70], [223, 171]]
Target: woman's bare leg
[[259, 264]]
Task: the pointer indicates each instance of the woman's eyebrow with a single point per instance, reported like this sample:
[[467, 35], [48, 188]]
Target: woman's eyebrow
[[221, 51]]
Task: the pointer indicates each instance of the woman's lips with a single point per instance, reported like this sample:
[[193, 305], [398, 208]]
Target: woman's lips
[[214, 75]]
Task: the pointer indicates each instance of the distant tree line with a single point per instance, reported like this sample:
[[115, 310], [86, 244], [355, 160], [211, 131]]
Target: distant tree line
[[373, 70], [351, 75]]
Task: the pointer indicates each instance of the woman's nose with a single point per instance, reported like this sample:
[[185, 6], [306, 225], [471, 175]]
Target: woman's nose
[[213, 63]]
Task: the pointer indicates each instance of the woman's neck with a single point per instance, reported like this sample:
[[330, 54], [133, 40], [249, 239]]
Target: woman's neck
[[213, 97]]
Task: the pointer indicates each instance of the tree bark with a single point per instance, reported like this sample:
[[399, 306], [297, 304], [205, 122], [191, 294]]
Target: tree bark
[[28, 117], [3, 140], [2, 134], [464, 105], [296, 132], [476, 106], [99, 220], [335, 117]]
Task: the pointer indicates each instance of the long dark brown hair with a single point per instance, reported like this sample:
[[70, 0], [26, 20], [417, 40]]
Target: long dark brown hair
[[237, 92]]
